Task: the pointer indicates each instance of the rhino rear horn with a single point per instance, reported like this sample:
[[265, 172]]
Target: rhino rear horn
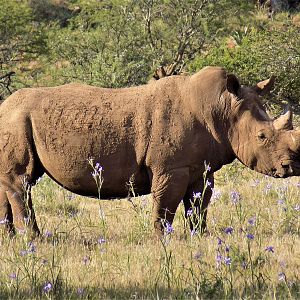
[[285, 121], [233, 84], [266, 86]]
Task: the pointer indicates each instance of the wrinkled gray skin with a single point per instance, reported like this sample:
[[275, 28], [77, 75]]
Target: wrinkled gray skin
[[161, 134]]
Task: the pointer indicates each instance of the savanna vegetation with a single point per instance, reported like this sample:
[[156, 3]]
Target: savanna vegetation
[[95, 249]]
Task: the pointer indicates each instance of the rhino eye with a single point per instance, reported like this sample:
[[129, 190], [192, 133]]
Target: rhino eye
[[261, 136]]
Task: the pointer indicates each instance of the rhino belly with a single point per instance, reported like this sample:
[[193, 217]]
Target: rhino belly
[[66, 160]]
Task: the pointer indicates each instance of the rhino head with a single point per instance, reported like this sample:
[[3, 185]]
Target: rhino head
[[269, 146]]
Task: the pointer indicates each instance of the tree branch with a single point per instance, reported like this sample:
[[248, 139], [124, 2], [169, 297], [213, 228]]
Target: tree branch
[[5, 80]]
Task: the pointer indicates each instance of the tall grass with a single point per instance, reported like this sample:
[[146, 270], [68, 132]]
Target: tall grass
[[252, 250]]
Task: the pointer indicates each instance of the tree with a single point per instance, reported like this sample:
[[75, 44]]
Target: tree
[[20, 41], [259, 53], [119, 43]]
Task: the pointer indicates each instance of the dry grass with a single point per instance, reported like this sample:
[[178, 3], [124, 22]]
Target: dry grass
[[117, 257]]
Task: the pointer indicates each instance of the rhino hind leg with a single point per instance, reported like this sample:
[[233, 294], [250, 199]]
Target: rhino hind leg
[[16, 210], [22, 210], [20, 168], [196, 205], [6, 217], [167, 191]]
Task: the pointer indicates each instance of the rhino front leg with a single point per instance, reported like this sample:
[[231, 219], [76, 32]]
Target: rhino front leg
[[6, 218], [168, 189], [196, 201]]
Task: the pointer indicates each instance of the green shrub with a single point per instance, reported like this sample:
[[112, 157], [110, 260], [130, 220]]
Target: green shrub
[[256, 54], [22, 40]]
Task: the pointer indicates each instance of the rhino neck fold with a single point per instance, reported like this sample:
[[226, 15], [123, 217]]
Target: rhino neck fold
[[211, 107], [221, 146]]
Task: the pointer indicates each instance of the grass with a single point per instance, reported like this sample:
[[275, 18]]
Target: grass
[[90, 251]]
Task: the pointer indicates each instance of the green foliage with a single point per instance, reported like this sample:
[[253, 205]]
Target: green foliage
[[47, 11], [21, 41], [255, 54], [119, 43]]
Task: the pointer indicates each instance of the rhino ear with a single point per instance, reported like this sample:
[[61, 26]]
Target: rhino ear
[[266, 86], [285, 121], [233, 84]]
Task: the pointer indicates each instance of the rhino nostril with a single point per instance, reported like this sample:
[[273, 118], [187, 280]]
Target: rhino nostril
[[285, 166]]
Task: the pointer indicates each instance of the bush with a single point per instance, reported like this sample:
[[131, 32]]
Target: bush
[[21, 41], [256, 54]]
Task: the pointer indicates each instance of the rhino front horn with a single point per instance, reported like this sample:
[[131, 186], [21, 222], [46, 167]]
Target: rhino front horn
[[285, 121]]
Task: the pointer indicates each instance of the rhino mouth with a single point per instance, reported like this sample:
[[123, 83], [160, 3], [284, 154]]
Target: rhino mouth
[[280, 175], [286, 169]]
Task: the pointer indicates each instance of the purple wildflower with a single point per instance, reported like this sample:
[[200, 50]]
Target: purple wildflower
[[97, 170], [198, 255], [48, 234], [70, 197], [193, 232], [207, 167], [235, 197], [227, 261], [13, 276], [244, 265], [197, 195], [219, 259], [101, 240], [270, 249], [227, 248], [281, 276], [254, 183], [26, 221], [208, 183], [80, 291], [168, 228], [297, 207], [268, 187], [228, 230], [216, 194], [98, 167], [283, 189], [31, 248], [144, 201], [73, 213], [47, 287], [219, 241], [250, 236], [280, 202], [189, 212], [251, 221]]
